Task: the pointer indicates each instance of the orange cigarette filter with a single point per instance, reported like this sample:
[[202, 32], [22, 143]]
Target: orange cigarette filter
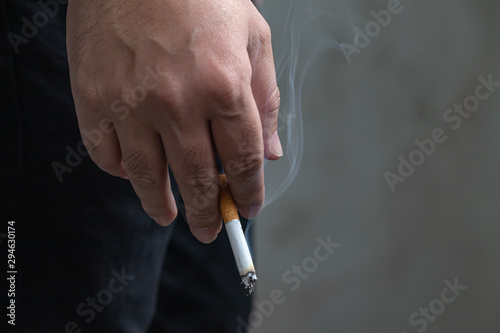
[[227, 206]]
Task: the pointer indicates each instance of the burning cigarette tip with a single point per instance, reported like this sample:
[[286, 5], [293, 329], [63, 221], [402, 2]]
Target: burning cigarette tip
[[248, 282]]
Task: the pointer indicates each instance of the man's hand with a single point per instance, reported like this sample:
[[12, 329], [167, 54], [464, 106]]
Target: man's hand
[[161, 82]]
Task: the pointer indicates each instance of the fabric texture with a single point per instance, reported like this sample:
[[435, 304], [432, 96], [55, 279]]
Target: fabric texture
[[89, 258]]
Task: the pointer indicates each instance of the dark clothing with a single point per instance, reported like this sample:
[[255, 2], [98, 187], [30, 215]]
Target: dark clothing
[[87, 255]]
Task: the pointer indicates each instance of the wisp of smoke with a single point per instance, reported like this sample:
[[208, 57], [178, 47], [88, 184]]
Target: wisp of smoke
[[307, 33], [305, 20]]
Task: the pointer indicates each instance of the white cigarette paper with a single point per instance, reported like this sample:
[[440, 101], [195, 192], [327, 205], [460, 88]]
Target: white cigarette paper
[[240, 248]]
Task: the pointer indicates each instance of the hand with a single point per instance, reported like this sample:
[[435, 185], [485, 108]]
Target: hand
[[163, 82]]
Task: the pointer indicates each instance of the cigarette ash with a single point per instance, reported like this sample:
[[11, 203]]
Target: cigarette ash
[[248, 282]]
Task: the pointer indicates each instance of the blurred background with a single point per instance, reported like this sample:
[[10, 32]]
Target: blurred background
[[414, 250]]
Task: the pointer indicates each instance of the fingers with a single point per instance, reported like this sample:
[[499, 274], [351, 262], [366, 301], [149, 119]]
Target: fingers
[[101, 142], [265, 89], [146, 166], [192, 160], [237, 135]]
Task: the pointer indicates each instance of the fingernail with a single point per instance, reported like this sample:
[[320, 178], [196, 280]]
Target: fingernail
[[205, 235], [276, 148]]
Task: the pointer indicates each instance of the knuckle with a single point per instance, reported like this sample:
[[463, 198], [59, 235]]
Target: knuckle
[[264, 33], [197, 179], [271, 113], [139, 169], [246, 166], [226, 87], [272, 103], [172, 99], [203, 187], [260, 41], [168, 94], [274, 100], [203, 191], [195, 160], [251, 200], [144, 179]]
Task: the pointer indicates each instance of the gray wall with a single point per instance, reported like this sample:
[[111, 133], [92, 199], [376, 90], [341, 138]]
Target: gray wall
[[395, 250]]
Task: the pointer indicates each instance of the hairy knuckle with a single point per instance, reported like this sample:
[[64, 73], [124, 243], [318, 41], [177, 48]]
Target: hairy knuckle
[[136, 162], [194, 159], [139, 169], [245, 166]]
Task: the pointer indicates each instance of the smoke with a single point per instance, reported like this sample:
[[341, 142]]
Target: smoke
[[308, 32]]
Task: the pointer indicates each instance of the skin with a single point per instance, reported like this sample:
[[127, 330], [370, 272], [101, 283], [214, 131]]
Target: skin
[[203, 76]]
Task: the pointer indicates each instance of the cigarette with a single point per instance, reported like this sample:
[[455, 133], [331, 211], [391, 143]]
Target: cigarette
[[236, 237]]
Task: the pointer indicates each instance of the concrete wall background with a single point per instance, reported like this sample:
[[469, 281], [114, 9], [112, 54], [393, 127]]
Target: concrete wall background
[[441, 223]]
